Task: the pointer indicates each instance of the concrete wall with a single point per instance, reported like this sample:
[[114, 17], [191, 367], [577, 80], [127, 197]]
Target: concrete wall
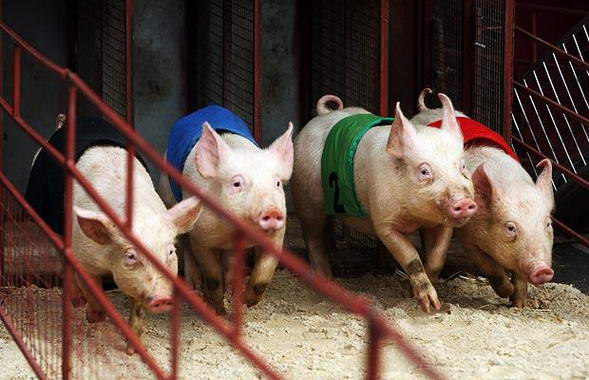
[[160, 77], [44, 25]]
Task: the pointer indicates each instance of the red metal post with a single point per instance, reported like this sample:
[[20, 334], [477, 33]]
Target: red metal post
[[129, 189], [384, 57], [68, 228], [17, 83], [238, 285], [175, 332], [2, 153], [129, 55], [468, 55], [258, 70], [374, 352], [508, 69]]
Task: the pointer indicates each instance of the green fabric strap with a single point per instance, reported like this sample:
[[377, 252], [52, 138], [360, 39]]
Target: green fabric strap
[[337, 163]]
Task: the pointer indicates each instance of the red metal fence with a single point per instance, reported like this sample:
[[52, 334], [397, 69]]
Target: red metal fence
[[550, 118], [34, 322]]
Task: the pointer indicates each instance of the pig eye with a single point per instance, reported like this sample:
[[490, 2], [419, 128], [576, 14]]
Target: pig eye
[[237, 183], [424, 172], [131, 258], [511, 230], [549, 224], [277, 183]]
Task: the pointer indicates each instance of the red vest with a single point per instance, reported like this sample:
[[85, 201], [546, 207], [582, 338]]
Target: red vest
[[473, 131]]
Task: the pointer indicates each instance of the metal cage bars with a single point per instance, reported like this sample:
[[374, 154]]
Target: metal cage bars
[[378, 326], [539, 100]]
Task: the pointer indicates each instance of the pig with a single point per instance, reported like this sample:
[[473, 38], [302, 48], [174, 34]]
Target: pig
[[512, 230], [249, 181], [407, 177], [97, 243]]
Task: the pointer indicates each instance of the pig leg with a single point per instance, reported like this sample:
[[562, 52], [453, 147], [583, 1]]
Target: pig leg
[[317, 230], [436, 242], [94, 311], [263, 271], [211, 265], [136, 318], [191, 270], [495, 273], [406, 255], [519, 298]]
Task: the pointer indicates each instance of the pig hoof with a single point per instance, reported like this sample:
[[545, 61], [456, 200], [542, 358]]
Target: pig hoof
[[130, 350], [519, 303], [93, 316]]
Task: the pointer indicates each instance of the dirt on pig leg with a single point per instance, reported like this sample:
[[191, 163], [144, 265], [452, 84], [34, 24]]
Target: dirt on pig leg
[[264, 268], [192, 272], [519, 298], [94, 311], [137, 322], [211, 266], [436, 242], [497, 276], [406, 255]]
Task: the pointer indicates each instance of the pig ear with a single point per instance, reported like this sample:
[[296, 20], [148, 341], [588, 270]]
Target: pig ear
[[449, 122], [544, 181], [284, 151], [96, 226], [185, 214], [210, 150], [482, 185], [403, 135]]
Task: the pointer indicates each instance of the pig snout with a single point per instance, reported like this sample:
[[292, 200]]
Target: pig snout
[[160, 304], [540, 273], [271, 220], [462, 209]]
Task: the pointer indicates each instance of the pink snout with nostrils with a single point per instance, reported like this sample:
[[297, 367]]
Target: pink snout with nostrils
[[462, 209], [540, 274], [271, 220], [160, 304]]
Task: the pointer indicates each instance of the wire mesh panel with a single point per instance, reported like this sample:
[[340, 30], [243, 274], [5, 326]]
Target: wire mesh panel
[[488, 85], [101, 50], [552, 131], [221, 50], [30, 296], [468, 56], [345, 52], [447, 44]]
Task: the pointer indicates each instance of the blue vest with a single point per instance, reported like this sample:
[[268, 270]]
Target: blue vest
[[188, 129]]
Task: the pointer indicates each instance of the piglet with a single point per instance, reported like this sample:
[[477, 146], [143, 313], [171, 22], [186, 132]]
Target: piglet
[[98, 244], [214, 148], [512, 230], [402, 177]]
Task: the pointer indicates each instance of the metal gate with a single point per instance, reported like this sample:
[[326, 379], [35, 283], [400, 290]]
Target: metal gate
[[51, 333]]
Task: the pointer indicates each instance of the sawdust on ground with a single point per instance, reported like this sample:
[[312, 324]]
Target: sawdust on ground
[[302, 335]]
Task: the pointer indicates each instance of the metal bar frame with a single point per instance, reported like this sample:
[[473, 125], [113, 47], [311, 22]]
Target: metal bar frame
[[348, 301], [508, 36], [384, 57]]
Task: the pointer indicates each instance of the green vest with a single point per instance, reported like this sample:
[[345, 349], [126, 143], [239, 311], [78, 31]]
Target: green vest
[[337, 163]]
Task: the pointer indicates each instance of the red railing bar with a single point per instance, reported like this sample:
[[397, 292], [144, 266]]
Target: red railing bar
[[68, 205], [384, 57], [581, 181], [55, 239], [546, 8], [13, 331], [554, 104], [238, 285], [571, 232], [129, 186], [32, 51], [175, 333], [554, 48], [114, 314], [374, 352], [17, 80]]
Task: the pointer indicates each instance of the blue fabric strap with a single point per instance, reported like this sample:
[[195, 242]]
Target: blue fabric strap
[[187, 131]]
